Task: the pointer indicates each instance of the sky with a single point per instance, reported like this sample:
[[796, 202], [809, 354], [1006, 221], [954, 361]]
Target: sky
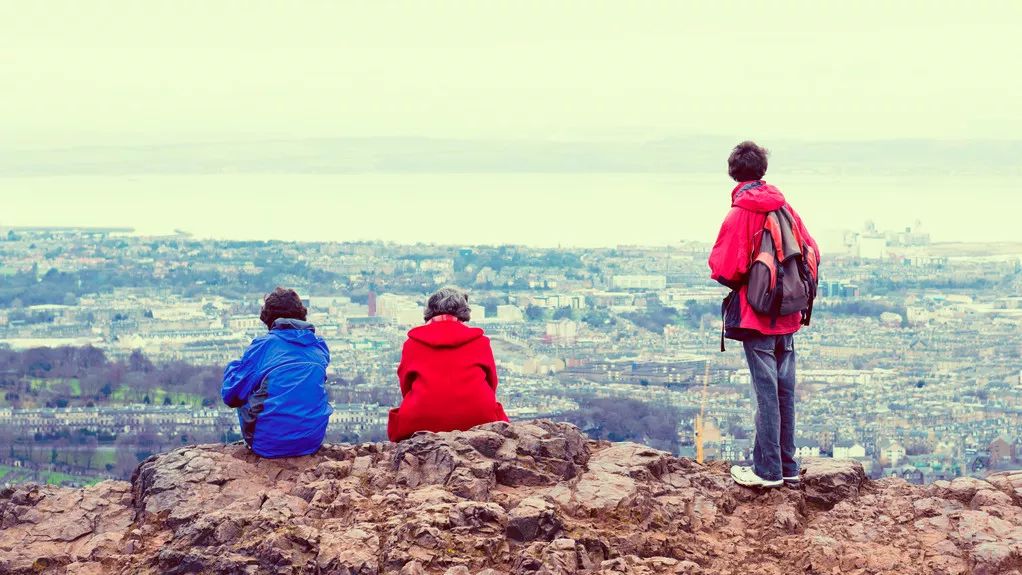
[[123, 73], [114, 72]]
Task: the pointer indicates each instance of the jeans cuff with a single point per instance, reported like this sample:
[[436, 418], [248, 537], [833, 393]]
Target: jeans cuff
[[765, 476]]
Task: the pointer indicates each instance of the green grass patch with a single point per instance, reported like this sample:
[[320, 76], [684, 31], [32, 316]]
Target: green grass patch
[[57, 478], [72, 383], [120, 394], [126, 395], [77, 458], [14, 474], [104, 457], [20, 475], [156, 397]]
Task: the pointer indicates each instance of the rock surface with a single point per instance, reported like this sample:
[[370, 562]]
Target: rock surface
[[503, 499]]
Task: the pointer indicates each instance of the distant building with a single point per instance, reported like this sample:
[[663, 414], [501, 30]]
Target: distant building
[[680, 371], [1001, 451], [245, 323], [911, 236], [871, 247], [835, 289], [553, 301], [909, 473], [807, 448], [358, 417], [544, 366], [328, 303], [848, 450], [563, 331], [372, 304], [650, 282], [890, 319], [508, 312], [824, 435], [893, 454], [402, 310]]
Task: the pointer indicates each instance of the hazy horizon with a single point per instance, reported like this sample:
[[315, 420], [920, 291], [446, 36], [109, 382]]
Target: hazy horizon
[[543, 210]]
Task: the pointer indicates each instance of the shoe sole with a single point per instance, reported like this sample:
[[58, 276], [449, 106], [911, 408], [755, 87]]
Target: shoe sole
[[765, 485]]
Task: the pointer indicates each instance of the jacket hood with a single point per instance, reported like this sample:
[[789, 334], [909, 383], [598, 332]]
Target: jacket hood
[[757, 196], [295, 331], [445, 334]]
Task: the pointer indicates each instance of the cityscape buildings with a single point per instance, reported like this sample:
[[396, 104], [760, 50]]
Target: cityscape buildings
[[913, 363]]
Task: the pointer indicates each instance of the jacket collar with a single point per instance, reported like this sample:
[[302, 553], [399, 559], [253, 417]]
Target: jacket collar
[[743, 187], [443, 317], [290, 323]]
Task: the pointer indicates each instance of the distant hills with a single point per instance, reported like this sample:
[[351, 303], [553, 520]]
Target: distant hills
[[424, 155]]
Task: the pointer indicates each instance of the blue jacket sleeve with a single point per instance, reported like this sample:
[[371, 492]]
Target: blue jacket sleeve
[[242, 375]]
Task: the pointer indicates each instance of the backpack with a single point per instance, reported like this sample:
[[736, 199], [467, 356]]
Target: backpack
[[783, 276]]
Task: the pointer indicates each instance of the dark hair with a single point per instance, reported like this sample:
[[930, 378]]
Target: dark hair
[[747, 162], [448, 301], [282, 303]]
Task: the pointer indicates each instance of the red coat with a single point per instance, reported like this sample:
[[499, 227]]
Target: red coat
[[739, 234], [448, 380]]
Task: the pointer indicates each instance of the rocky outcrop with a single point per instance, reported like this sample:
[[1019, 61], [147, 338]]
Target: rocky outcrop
[[505, 499]]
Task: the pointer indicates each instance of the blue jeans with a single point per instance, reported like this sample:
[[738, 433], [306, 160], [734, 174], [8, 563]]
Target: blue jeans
[[772, 364]]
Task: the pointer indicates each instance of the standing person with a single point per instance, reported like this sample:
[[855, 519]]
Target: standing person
[[447, 373], [767, 337], [278, 384]]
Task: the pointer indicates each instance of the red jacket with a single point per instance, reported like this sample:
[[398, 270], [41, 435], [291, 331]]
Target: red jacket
[[448, 380], [732, 254]]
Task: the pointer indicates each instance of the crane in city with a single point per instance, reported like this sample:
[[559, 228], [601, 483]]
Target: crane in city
[[702, 412]]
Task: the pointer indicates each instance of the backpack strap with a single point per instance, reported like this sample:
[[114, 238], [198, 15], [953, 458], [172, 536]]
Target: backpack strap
[[723, 309], [773, 225], [722, 348], [775, 312]]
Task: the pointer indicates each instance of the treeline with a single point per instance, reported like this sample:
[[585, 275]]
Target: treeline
[[505, 256], [29, 287], [882, 285], [625, 419], [655, 317], [85, 376], [62, 288], [342, 391]]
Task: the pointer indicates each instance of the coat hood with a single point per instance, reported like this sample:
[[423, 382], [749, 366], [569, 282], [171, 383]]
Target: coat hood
[[445, 334], [757, 196], [295, 331]]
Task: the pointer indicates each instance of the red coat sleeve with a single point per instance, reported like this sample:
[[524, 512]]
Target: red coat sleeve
[[489, 364], [405, 374], [729, 258]]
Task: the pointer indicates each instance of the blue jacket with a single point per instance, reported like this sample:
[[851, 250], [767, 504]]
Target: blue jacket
[[277, 386]]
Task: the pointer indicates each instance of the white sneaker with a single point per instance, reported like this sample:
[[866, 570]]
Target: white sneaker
[[793, 481], [746, 476]]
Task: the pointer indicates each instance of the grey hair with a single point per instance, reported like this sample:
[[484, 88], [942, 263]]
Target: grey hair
[[448, 301]]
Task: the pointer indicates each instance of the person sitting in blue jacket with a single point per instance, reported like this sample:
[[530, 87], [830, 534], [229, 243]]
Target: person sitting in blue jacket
[[278, 384]]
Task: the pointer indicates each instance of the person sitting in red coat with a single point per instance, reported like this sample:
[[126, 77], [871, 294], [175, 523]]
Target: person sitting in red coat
[[447, 372]]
